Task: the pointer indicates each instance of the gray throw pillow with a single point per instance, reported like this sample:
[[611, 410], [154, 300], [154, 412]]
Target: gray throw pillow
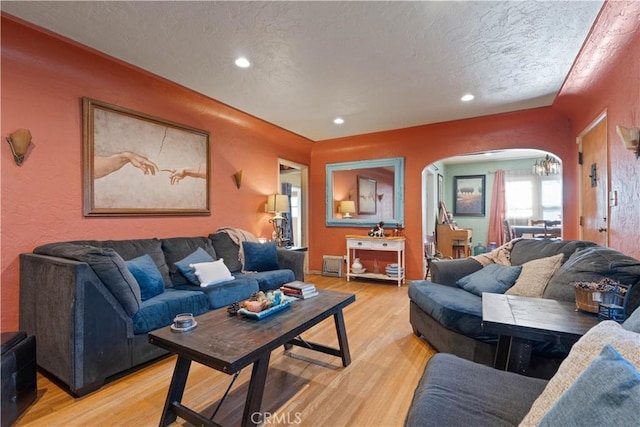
[[108, 266], [184, 265], [493, 278], [177, 248]]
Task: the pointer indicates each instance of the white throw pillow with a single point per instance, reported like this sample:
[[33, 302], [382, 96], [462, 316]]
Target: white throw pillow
[[535, 276], [582, 353], [210, 273]]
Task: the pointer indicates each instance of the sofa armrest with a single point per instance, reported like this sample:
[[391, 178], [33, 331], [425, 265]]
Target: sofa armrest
[[448, 271], [292, 260], [83, 333]]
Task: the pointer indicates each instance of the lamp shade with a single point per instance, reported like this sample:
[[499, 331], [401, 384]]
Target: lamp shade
[[277, 203], [347, 207]]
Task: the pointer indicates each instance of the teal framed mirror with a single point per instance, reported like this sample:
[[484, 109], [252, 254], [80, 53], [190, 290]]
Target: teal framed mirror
[[365, 192]]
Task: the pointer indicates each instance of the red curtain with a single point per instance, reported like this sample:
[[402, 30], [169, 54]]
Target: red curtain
[[497, 212]]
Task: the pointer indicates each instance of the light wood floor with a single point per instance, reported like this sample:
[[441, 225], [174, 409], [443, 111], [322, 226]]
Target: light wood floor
[[303, 387]]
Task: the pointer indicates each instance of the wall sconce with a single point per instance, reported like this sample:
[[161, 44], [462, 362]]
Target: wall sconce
[[630, 137], [238, 178], [547, 166], [19, 142], [380, 196], [277, 204], [346, 208]]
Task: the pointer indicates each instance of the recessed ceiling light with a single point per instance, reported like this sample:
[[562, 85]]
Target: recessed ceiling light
[[338, 120], [466, 98], [243, 62]]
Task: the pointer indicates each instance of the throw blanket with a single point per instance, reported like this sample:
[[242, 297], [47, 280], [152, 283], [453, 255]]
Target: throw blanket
[[238, 236], [500, 255]]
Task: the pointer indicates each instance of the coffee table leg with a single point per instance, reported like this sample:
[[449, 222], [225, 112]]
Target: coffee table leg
[[502, 353], [252, 415], [342, 338], [176, 390], [519, 355]]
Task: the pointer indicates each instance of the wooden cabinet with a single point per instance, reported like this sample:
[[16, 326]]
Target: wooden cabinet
[[453, 243]]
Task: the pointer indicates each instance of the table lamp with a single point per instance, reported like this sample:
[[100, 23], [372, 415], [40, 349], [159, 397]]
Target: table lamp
[[346, 208], [277, 204]]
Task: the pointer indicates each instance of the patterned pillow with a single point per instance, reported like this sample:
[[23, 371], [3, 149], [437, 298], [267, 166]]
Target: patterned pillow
[[535, 276]]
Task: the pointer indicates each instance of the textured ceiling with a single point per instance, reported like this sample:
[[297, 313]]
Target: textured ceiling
[[379, 65]]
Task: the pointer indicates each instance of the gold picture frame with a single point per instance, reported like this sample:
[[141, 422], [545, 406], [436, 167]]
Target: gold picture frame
[[136, 164]]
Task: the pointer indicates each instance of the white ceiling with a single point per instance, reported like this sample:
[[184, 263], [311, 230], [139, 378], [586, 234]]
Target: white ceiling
[[379, 65]]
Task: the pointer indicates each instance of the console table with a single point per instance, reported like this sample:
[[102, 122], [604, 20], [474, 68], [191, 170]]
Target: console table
[[387, 244]]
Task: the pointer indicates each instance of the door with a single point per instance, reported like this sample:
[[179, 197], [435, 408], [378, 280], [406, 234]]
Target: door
[[594, 184]]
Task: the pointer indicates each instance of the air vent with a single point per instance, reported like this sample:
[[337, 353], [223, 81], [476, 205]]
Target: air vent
[[332, 265]]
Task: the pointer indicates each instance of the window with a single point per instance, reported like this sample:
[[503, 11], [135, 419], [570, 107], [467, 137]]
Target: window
[[530, 197]]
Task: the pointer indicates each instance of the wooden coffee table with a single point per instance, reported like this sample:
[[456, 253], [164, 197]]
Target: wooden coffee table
[[229, 343], [520, 320]]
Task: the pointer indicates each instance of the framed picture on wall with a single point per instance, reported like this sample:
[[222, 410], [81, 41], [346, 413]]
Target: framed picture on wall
[[469, 195], [366, 195], [135, 164]]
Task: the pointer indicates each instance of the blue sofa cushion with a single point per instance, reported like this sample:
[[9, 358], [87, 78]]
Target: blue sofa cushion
[[108, 266], [227, 249], [456, 392], [454, 308], [223, 294], [493, 278], [160, 310], [606, 393], [260, 256], [270, 280], [185, 268], [177, 248], [591, 265], [147, 275]]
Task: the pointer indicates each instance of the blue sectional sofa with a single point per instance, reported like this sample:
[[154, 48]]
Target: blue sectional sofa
[[91, 303], [598, 384], [450, 317]]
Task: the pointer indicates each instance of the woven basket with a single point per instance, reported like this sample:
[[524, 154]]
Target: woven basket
[[587, 301]]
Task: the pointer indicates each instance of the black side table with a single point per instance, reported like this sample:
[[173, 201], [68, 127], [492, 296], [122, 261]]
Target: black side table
[[19, 382]]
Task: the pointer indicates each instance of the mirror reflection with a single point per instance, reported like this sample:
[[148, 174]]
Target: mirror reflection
[[366, 192]]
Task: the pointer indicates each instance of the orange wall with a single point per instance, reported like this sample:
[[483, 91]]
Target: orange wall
[[43, 81], [607, 77], [540, 128]]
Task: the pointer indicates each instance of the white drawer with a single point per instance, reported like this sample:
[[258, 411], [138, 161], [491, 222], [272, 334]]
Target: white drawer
[[386, 245], [360, 244]]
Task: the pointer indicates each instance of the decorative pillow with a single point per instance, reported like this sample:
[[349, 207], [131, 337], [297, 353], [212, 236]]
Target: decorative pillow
[[607, 392], [184, 265], [580, 357], [493, 278], [210, 273], [633, 322], [535, 276], [148, 276], [260, 256]]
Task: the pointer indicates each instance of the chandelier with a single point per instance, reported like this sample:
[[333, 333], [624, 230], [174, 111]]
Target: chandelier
[[547, 166]]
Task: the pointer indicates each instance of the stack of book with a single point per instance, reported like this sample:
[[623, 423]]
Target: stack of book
[[299, 289]]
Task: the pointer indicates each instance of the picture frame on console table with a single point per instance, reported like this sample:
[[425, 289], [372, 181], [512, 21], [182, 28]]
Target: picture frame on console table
[[137, 164], [469, 195]]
